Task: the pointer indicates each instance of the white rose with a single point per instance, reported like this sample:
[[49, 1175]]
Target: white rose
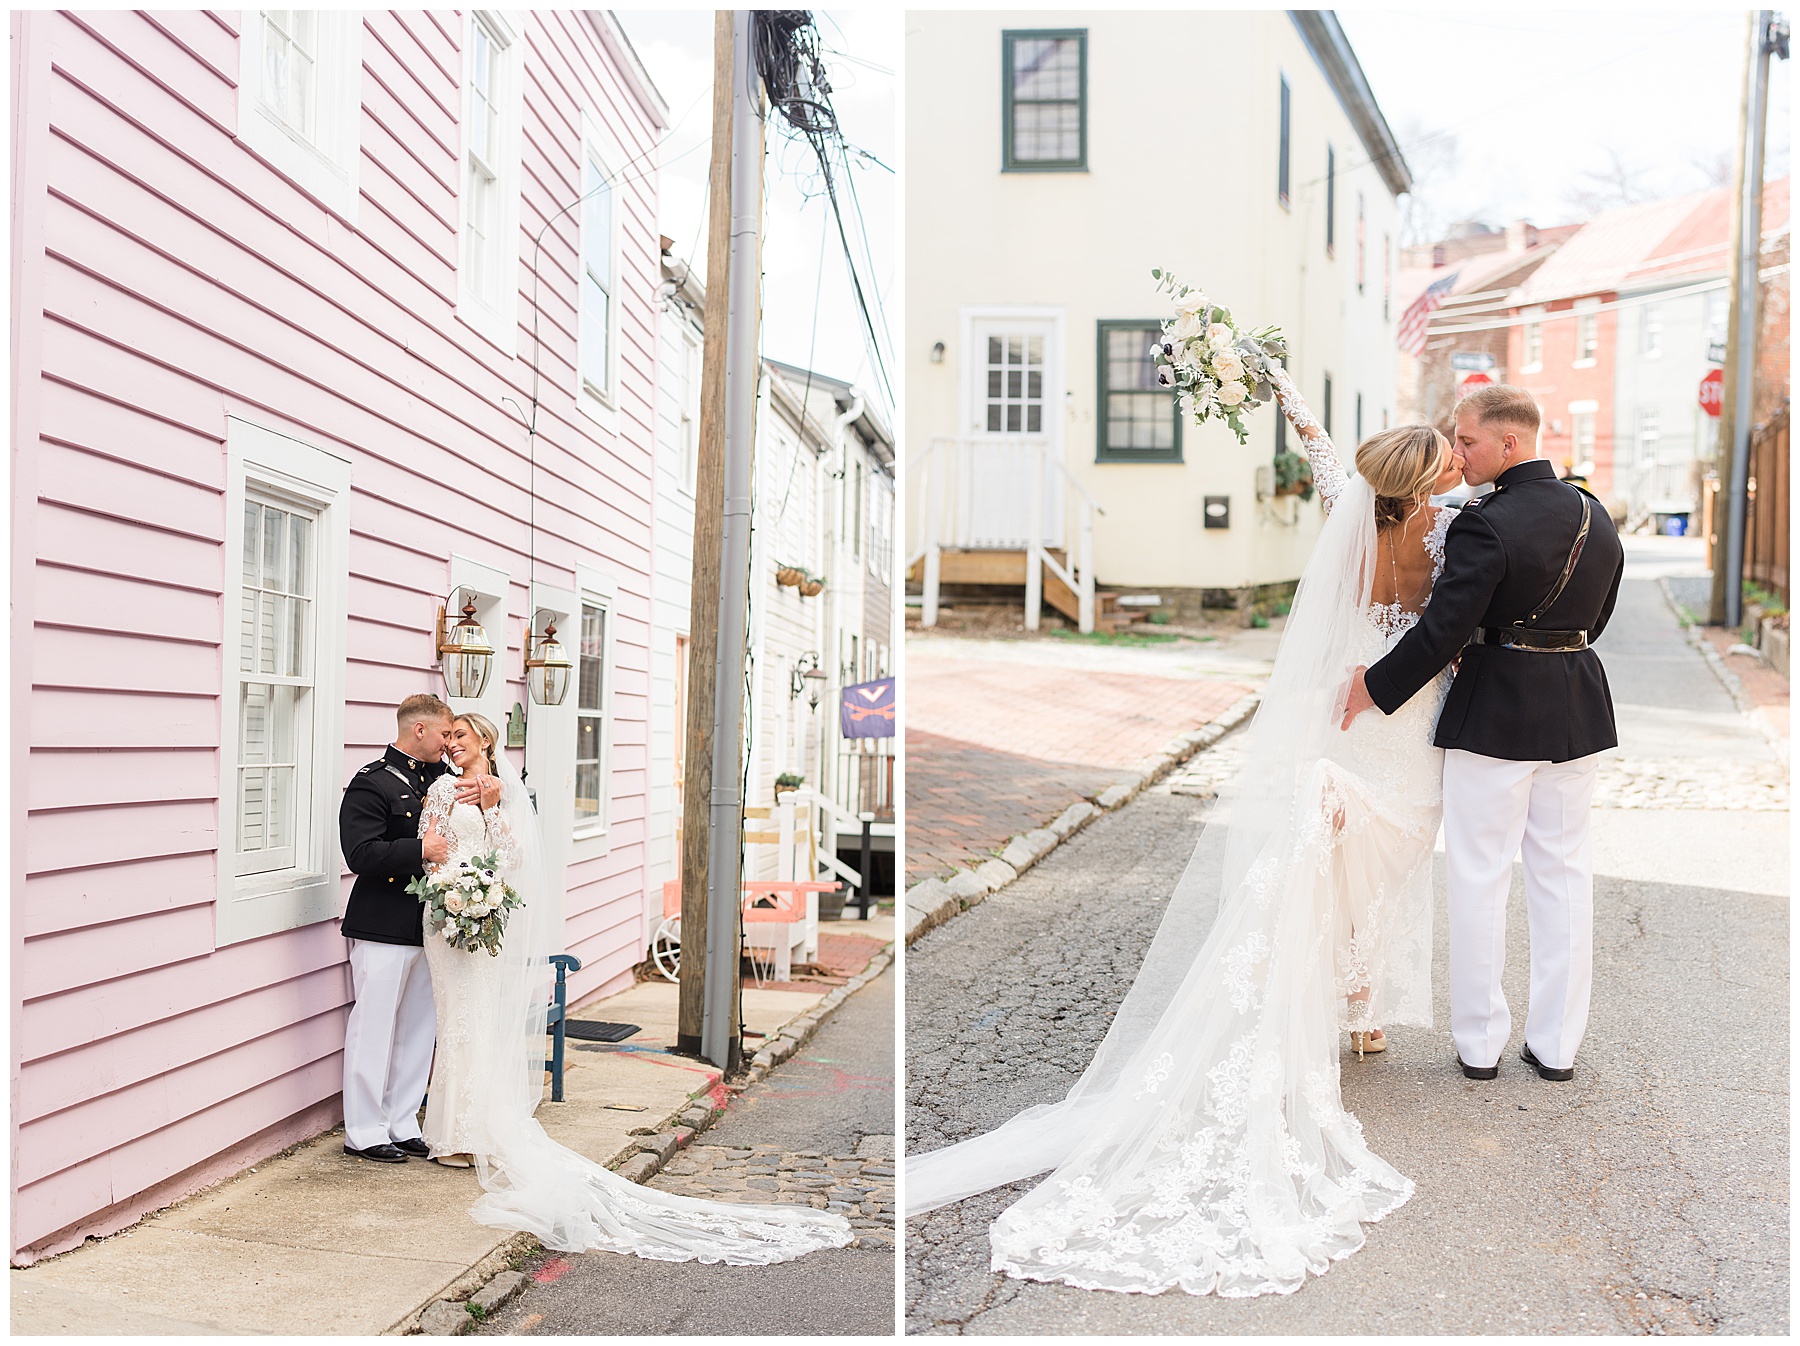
[[1187, 327], [1218, 336], [1191, 302], [453, 903], [1228, 365], [1231, 394]]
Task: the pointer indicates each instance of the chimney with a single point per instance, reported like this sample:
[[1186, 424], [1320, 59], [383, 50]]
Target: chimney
[[1520, 235]]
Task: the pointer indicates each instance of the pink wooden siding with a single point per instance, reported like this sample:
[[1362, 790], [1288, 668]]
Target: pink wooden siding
[[183, 279]]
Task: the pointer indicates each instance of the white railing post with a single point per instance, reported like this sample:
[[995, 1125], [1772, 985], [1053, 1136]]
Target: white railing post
[[1087, 567], [932, 490], [784, 852], [1034, 546]]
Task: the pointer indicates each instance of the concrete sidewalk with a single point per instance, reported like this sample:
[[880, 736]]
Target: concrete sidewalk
[[313, 1242]]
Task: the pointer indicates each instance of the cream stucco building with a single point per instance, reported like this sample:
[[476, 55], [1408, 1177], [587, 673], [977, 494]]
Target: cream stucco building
[[1054, 158]]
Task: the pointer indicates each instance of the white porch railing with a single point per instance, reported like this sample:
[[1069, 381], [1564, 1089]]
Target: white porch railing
[[1003, 492]]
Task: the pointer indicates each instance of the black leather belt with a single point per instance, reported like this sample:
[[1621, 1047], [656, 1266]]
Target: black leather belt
[[1533, 639]]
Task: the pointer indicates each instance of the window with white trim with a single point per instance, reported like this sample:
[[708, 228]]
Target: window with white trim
[[489, 179], [282, 693], [591, 678], [300, 99], [881, 527], [597, 285], [290, 66], [1649, 434], [1651, 331], [688, 428], [276, 671], [1533, 337], [1585, 439], [1587, 338]]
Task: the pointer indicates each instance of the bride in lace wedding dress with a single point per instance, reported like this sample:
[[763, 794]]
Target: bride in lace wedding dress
[[1206, 1147], [488, 1077]]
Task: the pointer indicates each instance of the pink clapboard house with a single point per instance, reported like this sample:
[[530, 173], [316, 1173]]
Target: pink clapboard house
[[276, 310]]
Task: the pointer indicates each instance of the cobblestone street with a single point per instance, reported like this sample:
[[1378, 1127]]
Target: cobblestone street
[[859, 1186], [818, 1129], [1647, 1196]]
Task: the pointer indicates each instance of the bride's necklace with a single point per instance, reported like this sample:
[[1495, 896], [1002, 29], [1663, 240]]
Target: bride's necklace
[[1394, 563]]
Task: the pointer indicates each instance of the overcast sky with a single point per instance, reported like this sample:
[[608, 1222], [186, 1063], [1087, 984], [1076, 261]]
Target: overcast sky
[[802, 256], [1535, 98]]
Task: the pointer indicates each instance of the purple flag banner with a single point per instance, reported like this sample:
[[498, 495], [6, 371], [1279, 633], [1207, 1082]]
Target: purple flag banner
[[866, 710]]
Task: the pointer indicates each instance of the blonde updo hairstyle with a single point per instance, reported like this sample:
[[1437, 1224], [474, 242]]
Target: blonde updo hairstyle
[[1401, 466], [489, 736]]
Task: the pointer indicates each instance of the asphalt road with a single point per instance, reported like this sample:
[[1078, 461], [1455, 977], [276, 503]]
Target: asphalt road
[[1649, 1195], [835, 1097]]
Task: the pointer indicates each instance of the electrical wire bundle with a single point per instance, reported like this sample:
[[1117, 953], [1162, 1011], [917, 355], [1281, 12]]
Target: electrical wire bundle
[[785, 47]]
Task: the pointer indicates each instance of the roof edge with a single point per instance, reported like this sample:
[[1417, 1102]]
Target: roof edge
[[618, 45], [1330, 47]]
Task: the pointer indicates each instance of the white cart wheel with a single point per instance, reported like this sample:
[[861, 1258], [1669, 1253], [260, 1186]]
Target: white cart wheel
[[665, 948]]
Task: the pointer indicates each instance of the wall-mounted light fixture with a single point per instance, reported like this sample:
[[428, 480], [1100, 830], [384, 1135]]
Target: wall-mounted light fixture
[[464, 651], [807, 678], [937, 353], [547, 666]]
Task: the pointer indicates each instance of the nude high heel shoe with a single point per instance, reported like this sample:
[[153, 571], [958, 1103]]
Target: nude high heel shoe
[[1368, 1043]]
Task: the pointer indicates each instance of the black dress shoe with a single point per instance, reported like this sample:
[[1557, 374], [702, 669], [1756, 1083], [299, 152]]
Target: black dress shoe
[[1531, 1060], [416, 1147], [381, 1154], [1478, 1072]]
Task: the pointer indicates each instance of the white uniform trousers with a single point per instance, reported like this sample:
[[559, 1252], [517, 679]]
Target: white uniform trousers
[[1491, 806], [387, 1043]]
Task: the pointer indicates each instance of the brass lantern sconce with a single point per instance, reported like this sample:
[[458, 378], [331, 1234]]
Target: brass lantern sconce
[[547, 667], [464, 651]]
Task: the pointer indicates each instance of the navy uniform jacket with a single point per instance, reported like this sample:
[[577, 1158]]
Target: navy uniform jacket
[[1502, 555], [378, 827]]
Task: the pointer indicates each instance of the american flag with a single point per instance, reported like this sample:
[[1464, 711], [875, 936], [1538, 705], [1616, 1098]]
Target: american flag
[[1411, 336]]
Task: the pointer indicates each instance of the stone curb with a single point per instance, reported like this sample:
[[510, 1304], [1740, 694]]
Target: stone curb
[[487, 1283], [1734, 685], [933, 901]]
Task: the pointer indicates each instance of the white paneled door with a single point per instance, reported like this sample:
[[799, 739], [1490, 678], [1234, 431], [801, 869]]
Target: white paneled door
[[1012, 421]]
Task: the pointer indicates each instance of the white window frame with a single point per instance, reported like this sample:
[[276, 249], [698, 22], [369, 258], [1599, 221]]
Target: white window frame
[[1650, 334], [1649, 434], [881, 526], [601, 404], [1530, 333], [1586, 311], [327, 166], [592, 837], [687, 419], [268, 464], [496, 319], [1588, 407]]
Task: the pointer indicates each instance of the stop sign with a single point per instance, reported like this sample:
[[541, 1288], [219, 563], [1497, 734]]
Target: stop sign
[[1472, 381], [1712, 392]]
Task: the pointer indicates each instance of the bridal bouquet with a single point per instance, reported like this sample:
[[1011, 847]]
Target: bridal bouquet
[[1217, 368], [468, 901]]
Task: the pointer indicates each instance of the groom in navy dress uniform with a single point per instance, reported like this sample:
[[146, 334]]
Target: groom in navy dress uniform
[[392, 1028], [1531, 574]]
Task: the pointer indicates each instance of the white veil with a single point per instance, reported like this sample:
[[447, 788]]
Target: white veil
[[529, 1181], [1227, 1039]]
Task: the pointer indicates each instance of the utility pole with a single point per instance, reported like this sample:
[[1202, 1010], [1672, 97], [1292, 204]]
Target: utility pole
[[713, 802], [1742, 340]]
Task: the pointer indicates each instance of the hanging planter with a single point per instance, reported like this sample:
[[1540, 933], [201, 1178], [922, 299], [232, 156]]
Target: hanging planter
[[792, 576], [812, 587], [1293, 476]]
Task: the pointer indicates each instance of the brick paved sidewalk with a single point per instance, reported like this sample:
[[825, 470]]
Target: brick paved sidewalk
[[993, 750]]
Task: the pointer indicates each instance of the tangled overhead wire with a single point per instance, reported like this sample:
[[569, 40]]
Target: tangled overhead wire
[[785, 43], [785, 47]]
